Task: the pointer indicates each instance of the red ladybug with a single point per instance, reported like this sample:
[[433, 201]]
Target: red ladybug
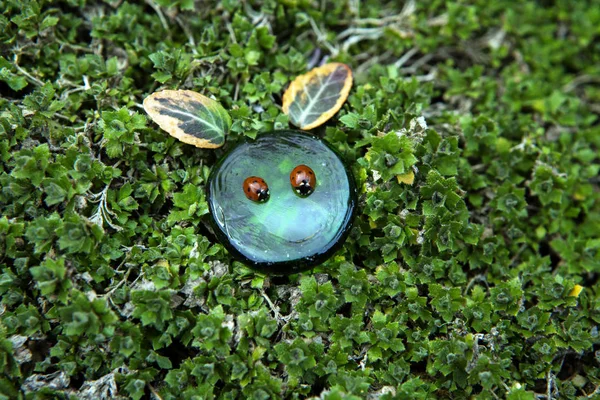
[[256, 189], [303, 180]]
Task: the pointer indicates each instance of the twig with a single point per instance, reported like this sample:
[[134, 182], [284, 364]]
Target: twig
[[274, 309], [426, 78], [63, 117], [473, 363], [366, 32], [237, 91], [78, 88], [73, 46], [160, 14], [259, 18], [480, 278], [187, 33], [354, 6], [363, 361], [438, 21], [31, 78], [314, 59], [406, 57], [551, 388], [408, 9], [517, 254], [417, 64], [371, 60], [581, 79], [321, 38], [379, 21], [594, 393], [231, 33], [154, 392], [121, 282]]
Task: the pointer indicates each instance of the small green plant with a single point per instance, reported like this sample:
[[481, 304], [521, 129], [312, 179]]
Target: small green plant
[[471, 271]]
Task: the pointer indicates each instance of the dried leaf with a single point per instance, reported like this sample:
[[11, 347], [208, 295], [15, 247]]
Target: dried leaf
[[189, 116], [313, 98], [55, 381]]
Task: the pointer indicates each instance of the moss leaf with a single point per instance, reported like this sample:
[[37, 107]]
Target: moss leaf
[[189, 116], [313, 98], [408, 178]]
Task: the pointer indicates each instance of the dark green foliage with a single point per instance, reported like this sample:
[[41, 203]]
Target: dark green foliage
[[465, 283]]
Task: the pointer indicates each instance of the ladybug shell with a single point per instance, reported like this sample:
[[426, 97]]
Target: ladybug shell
[[303, 180], [256, 189]]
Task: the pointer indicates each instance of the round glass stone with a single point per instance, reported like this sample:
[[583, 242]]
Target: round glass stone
[[287, 233]]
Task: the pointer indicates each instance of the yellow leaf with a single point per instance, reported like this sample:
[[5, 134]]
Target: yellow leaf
[[408, 178], [313, 98], [576, 291], [189, 116]]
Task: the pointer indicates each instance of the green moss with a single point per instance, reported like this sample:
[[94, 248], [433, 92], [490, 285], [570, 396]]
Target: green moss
[[462, 282]]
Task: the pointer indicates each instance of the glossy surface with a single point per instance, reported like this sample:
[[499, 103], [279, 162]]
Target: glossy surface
[[287, 233]]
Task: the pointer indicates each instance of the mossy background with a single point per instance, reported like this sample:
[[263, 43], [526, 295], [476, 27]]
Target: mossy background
[[463, 283]]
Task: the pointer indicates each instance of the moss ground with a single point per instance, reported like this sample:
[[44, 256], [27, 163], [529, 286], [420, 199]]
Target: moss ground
[[471, 272]]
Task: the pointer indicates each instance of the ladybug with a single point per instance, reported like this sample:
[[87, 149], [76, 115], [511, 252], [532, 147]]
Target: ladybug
[[256, 189], [303, 180]]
